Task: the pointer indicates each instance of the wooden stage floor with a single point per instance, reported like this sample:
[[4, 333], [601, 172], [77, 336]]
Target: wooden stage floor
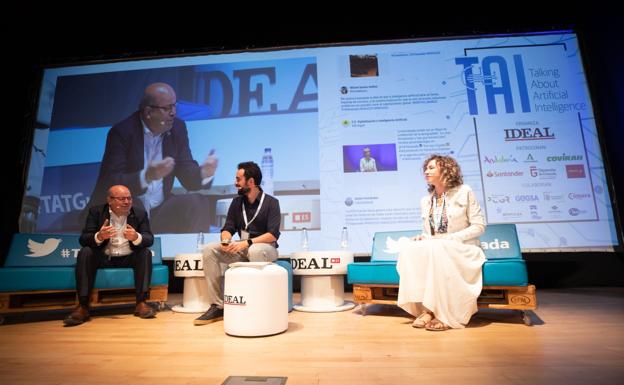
[[578, 339]]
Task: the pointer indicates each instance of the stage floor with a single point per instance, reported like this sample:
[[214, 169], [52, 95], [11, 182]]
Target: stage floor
[[578, 338]]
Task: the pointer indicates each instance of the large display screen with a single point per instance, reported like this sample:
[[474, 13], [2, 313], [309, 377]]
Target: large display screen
[[341, 133]]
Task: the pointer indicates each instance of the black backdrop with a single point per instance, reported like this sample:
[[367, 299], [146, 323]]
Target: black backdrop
[[55, 42]]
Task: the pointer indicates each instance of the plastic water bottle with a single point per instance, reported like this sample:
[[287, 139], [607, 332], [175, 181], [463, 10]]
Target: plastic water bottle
[[200, 242], [267, 171], [304, 239], [344, 239]]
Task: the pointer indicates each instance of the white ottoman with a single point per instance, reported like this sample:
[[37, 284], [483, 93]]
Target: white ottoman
[[195, 298], [322, 279], [255, 301]]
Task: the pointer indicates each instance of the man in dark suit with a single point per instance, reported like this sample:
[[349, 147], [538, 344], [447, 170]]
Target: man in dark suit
[[145, 152], [115, 235]]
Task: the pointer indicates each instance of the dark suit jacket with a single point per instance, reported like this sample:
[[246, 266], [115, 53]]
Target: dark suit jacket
[[137, 218], [123, 159]]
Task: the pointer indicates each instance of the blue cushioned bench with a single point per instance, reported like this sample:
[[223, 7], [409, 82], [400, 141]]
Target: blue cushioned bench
[[505, 281], [39, 275]]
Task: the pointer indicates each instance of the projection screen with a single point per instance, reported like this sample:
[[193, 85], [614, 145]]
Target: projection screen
[[514, 110]]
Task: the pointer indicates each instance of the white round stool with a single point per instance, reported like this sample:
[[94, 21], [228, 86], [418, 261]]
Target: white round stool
[[255, 299], [322, 279], [194, 299]]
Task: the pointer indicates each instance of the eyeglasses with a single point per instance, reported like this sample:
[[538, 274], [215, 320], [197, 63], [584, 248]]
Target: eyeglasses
[[121, 199], [167, 109]]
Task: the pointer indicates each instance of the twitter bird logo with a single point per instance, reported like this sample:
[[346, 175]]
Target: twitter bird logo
[[42, 249], [395, 246]]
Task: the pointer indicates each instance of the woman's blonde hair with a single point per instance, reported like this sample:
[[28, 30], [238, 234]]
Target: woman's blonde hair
[[450, 173]]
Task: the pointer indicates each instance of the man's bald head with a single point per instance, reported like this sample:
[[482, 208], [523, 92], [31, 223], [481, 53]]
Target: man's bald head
[[119, 199], [158, 107], [154, 92]]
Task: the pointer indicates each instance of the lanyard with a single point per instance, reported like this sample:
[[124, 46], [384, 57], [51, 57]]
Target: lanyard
[[255, 215], [438, 211]]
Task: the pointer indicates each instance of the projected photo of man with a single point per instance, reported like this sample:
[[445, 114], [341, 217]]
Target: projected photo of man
[[145, 152], [367, 163], [369, 158]]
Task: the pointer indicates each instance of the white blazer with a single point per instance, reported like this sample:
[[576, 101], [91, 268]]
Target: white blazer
[[465, 220]]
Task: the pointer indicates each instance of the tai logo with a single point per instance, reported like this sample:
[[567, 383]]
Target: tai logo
[[42, 249], [501, 78]]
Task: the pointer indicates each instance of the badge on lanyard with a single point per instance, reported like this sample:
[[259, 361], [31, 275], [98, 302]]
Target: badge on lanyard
[[244, 234]]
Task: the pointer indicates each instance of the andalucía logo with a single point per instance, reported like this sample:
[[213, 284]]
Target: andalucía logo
[[500, 159]]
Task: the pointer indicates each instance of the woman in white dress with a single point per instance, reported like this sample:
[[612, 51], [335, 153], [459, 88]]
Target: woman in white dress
[[440, 270]]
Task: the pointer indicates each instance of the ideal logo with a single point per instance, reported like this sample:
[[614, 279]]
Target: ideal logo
[[312, 263], [537, 133], [187, 265], [494, 74], [237, 300], [496, 244], [244, 91], [42, 249]]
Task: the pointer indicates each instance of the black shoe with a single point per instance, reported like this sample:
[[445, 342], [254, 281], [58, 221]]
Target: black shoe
[[79, 316], [211, 315], [144, 310]]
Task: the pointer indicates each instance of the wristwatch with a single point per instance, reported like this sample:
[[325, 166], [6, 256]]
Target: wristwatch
[[249, 242]]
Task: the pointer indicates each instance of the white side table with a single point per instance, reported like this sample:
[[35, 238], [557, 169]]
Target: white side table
[[194, 299], [254, 301], [322, 279]]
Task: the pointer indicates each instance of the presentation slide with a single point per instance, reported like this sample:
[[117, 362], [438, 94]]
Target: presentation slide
[[341, 133]]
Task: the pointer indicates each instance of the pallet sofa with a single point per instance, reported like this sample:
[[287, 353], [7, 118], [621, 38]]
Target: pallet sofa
[[38, 274], [505, 282]]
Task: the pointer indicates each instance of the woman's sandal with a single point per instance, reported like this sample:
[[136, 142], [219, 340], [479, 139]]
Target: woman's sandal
[[422, 320], [435, 325]]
